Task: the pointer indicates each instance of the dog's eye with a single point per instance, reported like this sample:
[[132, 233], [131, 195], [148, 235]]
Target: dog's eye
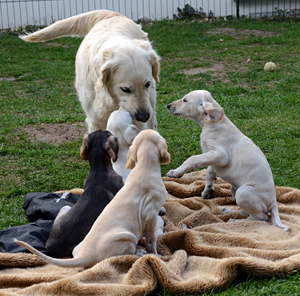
[[147, 84], [185, 100], [126, 90]]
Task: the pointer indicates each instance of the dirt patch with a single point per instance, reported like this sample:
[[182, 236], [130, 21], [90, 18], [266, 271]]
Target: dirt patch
[[200, 70], [56, 44], [55, 133], [240, 32], [217, 71], [7, 79]]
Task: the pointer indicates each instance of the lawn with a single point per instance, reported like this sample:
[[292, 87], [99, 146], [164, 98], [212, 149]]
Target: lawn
[[42, 120]]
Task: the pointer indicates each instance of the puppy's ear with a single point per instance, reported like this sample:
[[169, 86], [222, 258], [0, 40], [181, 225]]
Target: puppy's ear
[[154, 60], [164, 156], [84, 149], [131, 158], [130, 133], [112, 147], [212, 114]]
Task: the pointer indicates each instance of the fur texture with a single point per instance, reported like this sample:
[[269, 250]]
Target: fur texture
[[231, 155], [132, 212], [101, 185], [115, 66]]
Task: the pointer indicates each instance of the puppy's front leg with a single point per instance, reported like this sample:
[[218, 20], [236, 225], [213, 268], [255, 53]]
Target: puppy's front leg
[[150, 233], [211, 158], [210, 178]]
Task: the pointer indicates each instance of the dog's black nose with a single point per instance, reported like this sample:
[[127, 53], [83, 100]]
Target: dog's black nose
[[169, 106], [143, 117]]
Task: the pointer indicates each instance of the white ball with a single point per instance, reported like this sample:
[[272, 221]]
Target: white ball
[[270, 67]]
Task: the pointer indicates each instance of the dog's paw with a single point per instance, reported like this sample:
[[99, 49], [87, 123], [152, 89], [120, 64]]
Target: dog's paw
[[184, 226], [162, 212], [231, 220], [207, 195], [141, 252], [226, 210], [174, 174]]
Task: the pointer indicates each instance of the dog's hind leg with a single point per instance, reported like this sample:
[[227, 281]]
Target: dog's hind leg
[[228, 211], [210, 178], [275, 219], [159, 226]]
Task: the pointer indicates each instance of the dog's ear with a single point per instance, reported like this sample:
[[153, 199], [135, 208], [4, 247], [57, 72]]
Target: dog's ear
[[212, 114], [164, 156], [104, 76], [84, 149], [112, 147], [103, 68], [130, 133], [131, 158], [154, 60]]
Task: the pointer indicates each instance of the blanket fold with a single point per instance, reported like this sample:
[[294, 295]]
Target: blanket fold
[[199, 250]]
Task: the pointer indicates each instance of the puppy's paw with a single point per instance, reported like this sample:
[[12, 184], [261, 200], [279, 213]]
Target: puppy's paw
[[184, 226], [140, 252], [226, 210], [231, 220], [162, 212], [207, 195], [174, 174]]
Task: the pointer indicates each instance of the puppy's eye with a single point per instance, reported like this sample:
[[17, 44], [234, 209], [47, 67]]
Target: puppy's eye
[[185, 100], [147, 84], [126, 90]]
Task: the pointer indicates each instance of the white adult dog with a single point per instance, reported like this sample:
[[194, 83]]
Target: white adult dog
[[228, 153], [132, 212], [120, 125], [115, 66]]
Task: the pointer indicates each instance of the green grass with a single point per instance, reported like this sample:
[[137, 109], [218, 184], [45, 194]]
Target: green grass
[[37, 87]]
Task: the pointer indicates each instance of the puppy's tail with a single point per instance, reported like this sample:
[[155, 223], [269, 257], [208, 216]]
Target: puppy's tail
[[74, 262], [78, 25], [275, 219]]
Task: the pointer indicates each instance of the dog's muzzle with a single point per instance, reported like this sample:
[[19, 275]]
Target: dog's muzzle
[[171, 108], [143, 117]]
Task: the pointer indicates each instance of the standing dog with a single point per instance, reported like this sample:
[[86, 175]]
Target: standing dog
[[101, 185], [228, 153], [120, 125], [115, 66], [132, 212]]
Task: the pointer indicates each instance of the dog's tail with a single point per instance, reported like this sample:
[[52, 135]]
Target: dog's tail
[[74, 262], [78, 25], [275, 219]]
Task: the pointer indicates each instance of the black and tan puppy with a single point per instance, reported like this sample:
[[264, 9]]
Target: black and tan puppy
[[101, 185]]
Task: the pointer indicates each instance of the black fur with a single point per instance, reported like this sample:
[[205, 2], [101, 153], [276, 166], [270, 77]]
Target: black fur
[[100, 186]]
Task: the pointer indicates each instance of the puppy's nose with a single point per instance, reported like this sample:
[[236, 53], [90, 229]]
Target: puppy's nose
[[169, 106], [143, 117]]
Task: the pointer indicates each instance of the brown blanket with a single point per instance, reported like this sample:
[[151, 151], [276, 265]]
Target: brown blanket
[[208, 255]]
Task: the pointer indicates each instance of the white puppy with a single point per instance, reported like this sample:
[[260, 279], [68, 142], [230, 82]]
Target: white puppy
[[132, 212], [228, 153], [115, 66], [120, 125]]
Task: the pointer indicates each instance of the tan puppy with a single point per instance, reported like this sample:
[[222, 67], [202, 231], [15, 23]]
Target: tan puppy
[[228, 153], [115, 66], [132, 212]]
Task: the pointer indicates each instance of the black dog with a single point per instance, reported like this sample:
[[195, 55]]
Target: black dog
[[72, 224]]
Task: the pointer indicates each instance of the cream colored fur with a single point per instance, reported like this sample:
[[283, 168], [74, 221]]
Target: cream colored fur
[[132, 212], [228, 153], [115, 66], [120, 125]]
